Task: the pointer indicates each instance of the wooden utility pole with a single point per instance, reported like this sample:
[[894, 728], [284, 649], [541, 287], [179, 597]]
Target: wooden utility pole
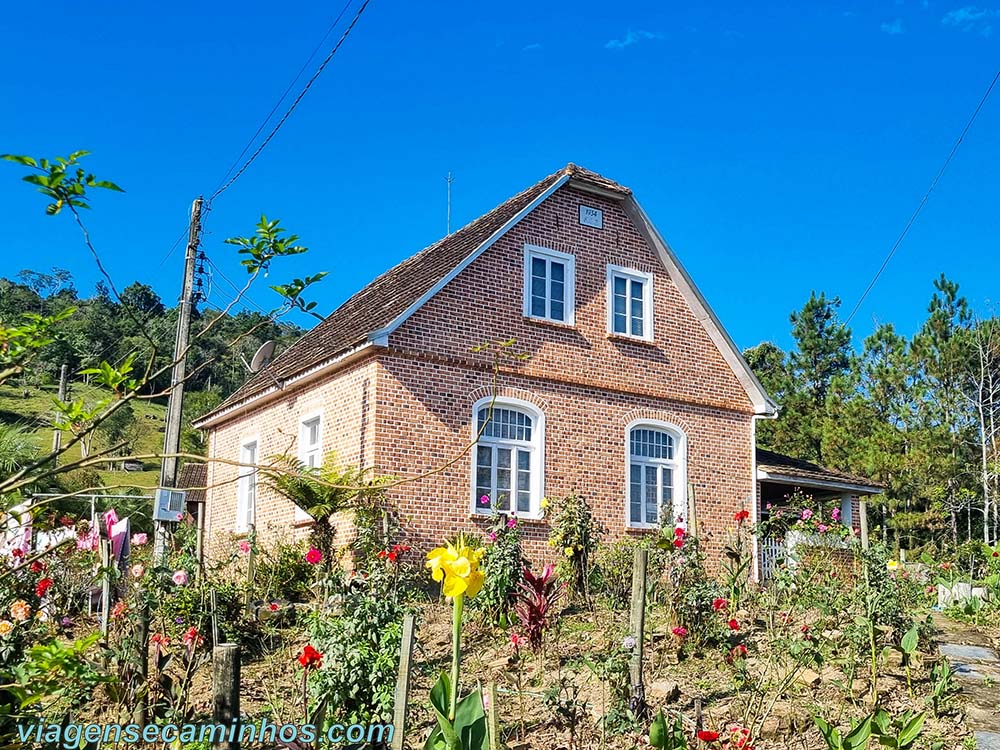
[[172, 433], [57, 433]]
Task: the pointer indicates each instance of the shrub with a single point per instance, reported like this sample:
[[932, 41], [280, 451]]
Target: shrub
[[536, 600], [575, 534], [359, 638], [611, 576], [502, 568], [691, 592]]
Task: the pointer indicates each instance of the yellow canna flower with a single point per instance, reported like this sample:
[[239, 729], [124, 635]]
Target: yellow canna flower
[[5, 627], [545, 503], [568, 551], [458, 566]]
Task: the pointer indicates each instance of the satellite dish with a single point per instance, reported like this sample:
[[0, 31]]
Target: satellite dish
[[262, 357]]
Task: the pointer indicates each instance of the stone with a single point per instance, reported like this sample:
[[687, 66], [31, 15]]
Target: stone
[[771, 728], [809, 678], [988, 740], [667, 690], [500, 664], [958, 652]]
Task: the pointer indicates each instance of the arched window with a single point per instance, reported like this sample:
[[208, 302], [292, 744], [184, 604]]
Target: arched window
[[657, 474], [508, 460]]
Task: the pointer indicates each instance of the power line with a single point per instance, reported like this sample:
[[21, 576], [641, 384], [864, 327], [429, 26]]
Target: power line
[[241, 298], [920, 206], [294, 104], [277, 104]]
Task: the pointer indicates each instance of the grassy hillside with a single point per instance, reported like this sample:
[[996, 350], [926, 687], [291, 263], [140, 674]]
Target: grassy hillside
[[33, 408]]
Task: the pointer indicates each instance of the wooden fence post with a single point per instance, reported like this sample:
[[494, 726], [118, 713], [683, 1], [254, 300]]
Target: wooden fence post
[[213, 603], [142, 673], [637, 626], [226, 690], [402, 696], [492, 718]]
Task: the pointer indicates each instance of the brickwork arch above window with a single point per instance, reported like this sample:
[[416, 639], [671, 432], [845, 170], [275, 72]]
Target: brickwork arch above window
[[508, 461]]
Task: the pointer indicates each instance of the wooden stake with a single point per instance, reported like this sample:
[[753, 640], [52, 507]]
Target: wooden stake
[[493, 721], [637, 626], [403, 683], [226, 690]]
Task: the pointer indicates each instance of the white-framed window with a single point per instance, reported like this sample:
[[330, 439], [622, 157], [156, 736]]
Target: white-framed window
[[246, 487], [549, 282], [311, 441], [508, 462], [310, 450], [630, 303], [657, 474]]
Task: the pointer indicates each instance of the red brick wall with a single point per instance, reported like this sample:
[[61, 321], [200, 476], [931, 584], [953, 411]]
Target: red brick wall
[[589, 385], [346, 400]]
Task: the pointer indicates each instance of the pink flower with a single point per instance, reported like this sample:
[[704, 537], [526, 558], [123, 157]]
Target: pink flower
[[822, 528], [491, 536], [139, 539], [512, 523], [180, 577], [137, 571], [516, 640], [244, 546], [313, 556], [680, 632], [484, 500], [835, 514], [88, 540], [807, 514]]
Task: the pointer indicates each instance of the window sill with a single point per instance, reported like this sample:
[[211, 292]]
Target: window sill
[[521, 517], [564, 325], [624, 337]]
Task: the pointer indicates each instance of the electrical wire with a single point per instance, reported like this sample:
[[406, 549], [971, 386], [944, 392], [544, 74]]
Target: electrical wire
[[277, 104], [923, 201], [291, 108]]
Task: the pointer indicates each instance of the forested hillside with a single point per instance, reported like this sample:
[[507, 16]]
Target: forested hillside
[[920, 415], [98, 329]]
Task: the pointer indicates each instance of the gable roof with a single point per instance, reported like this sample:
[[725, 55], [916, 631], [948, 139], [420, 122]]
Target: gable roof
[[368, 317], [783, 469]]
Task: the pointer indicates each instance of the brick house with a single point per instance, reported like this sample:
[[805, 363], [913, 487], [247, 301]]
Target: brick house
[[632, 393]]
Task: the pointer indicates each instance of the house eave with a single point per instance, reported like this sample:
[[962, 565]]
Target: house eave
[[279, 389], [820, 484]]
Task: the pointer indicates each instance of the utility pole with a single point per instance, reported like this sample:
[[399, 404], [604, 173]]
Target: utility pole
[[172, 433], [57, 433], [449, 179]]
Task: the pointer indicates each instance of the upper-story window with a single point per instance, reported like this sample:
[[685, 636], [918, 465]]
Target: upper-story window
[[310, 451], [246, 487], [630, 303], [549, 280], [508, 460], [657, 474], [310, 441]]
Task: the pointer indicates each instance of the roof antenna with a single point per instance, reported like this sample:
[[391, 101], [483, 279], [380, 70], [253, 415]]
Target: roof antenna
[[449, 179]]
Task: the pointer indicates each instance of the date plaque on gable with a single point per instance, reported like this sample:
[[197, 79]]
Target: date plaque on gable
[[591, 217]]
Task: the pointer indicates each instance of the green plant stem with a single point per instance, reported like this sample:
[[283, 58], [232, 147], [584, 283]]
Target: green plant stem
[[456, 652]]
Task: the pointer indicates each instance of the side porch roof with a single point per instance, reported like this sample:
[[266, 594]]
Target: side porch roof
[[778, 468]]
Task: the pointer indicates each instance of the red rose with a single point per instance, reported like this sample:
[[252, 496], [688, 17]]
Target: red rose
[[678, 543], [273, 607], [734, 625], [719, 603], [37, 566], [43, 585], [705, 736], [310, 657]]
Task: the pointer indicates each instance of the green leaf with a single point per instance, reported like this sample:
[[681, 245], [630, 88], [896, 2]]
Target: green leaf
[[25, 160], [858, 736], [910, 640], [830, 734], [912, 730], [470, 722]]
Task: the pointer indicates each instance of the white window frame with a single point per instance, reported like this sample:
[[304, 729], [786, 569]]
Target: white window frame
[[569, 284], [630, 275], [678, 464], [309, 451], [536, 447], [247, 486]]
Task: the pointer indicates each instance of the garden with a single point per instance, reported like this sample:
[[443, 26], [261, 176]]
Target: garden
[[634, 643]]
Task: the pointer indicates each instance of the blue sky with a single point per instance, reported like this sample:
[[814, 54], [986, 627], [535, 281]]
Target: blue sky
[[779, 147]]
